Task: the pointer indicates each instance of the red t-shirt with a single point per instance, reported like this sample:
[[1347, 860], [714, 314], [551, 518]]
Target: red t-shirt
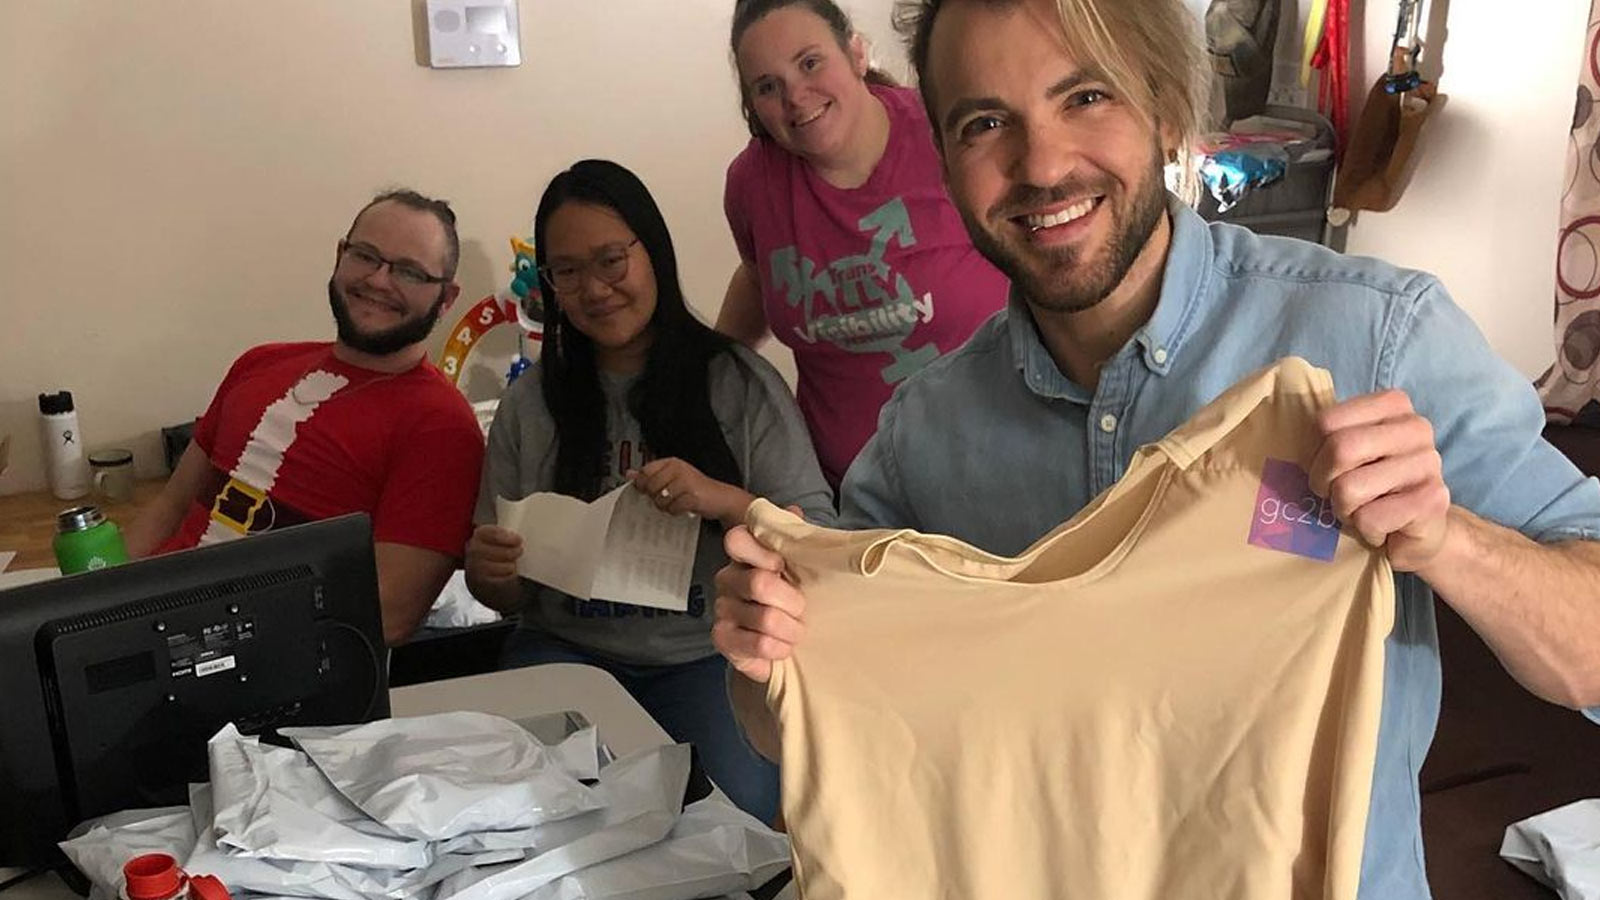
[[326, 438]]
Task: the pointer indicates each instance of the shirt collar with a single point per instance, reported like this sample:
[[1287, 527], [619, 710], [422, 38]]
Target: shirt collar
[[1029, 355], [1184, 283]]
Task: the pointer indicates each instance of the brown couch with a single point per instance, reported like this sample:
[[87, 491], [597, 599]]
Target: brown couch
[[1500, 754]]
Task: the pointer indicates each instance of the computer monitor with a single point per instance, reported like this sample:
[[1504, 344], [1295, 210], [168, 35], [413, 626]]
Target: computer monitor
[[111, 681]]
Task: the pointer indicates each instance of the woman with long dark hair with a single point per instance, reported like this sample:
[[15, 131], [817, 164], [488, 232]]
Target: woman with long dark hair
[[851, 252], [630, 386]]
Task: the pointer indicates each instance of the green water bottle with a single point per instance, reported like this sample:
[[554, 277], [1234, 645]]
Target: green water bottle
[[86, 539]]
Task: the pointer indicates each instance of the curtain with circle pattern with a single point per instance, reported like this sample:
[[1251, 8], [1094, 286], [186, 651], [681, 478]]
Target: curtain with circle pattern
[[1571, 388]]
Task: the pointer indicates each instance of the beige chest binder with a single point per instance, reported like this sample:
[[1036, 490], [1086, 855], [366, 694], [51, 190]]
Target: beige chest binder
[[1172, 696]]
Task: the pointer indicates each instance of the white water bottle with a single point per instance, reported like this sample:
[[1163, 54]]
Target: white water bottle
[[64, 461]]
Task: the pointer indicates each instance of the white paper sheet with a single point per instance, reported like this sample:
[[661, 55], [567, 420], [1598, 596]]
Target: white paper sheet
[[619, 547]]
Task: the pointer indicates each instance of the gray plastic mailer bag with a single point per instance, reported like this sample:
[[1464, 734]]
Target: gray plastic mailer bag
[[441, 776], [1560, 849], [246, 873], [713, 849], [642, 793], [578, 754], [295, 878], [100, 846], [272, 802]]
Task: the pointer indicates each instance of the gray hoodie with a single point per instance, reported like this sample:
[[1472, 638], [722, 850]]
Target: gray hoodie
[[769, 441]]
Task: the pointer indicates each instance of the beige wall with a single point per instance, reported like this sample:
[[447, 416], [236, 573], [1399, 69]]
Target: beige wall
[[1482, 210], [176, 174], [173, 187]]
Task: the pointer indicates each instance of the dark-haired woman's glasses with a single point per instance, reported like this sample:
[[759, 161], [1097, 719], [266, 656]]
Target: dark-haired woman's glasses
[[610, 265]]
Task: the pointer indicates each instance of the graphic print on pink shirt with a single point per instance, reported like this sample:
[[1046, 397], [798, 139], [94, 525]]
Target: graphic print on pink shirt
[[858, 311]]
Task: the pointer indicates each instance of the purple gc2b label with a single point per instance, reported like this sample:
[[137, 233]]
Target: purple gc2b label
[[1289, 517]]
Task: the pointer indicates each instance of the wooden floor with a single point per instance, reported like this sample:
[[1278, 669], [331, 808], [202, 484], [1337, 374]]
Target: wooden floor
[[28, 521]]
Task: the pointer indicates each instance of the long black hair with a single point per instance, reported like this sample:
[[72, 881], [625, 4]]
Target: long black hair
[[672, 399]]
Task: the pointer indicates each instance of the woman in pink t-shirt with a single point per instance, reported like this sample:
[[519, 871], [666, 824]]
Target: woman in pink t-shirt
[[851, 252]]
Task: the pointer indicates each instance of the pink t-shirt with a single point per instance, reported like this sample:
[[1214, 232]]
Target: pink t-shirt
[[866, 285]]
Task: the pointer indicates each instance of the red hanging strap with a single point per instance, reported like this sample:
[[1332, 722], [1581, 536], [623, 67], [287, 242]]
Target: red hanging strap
[[1332, 61]]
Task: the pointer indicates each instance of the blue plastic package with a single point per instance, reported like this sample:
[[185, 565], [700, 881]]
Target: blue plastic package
[[1233, 173]]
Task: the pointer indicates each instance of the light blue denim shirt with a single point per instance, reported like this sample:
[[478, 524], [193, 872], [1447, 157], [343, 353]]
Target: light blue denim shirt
[[992, 444]]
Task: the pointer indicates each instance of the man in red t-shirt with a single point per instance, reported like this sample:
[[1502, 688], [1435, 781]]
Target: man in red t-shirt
[[298, 432]]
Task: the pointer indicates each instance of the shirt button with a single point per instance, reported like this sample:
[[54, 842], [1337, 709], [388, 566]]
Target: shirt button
[[1108, 423], [1160, 356]]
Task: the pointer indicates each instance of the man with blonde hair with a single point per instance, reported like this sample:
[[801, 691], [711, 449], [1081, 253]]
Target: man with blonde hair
[[1129, 313]]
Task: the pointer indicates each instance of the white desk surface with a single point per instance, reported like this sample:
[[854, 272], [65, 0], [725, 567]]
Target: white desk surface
[[623, 725]]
